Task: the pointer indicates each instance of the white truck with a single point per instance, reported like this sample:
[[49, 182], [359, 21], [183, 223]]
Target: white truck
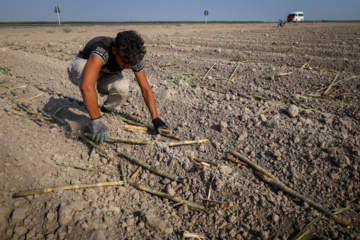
[[295, 17]]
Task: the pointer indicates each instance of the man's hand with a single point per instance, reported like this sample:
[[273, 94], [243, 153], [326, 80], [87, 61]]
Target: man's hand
[[99, 130], [159, 124]]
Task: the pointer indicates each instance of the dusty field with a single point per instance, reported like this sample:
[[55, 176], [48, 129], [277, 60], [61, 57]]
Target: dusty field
[[232, 84]]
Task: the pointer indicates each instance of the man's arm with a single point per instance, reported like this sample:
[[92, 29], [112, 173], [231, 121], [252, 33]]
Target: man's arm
[[150, 101], [147, 93], [88, 90]]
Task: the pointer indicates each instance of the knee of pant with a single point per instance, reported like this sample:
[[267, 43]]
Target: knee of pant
[[120, 88], [122, 91], [75, 70]]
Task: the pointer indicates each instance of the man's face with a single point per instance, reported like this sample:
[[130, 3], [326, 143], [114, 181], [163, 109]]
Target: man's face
[[119, 61]]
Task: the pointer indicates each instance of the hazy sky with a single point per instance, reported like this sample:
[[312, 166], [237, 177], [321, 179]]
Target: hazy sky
[[171, 10]]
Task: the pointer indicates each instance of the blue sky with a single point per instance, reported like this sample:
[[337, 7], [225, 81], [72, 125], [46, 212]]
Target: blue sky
[[171, 10]]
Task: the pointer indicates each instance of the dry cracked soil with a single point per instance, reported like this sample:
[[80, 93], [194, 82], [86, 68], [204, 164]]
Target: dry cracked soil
[[287, 98]]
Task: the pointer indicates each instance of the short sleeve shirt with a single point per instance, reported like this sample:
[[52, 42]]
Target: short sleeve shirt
[[102, 46]]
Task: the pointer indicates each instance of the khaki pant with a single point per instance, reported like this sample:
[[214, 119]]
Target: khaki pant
[[112, 84]]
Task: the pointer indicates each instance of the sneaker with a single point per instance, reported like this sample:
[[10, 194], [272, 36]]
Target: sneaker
[[107, 114], [104, 110]]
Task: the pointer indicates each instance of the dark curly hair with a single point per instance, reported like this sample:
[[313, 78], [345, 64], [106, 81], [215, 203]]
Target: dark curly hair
[[130, 47]]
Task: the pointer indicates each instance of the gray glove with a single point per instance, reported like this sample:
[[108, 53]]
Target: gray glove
[[99, 130]]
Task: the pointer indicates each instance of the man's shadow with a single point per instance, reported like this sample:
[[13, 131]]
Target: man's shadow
[[69, 114]]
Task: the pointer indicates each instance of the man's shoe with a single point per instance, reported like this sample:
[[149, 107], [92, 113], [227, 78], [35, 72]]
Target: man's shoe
[[104, 110], [107, 114]]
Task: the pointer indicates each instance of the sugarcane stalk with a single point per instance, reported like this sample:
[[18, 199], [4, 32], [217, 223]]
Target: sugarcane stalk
[[333, 81], [26, 108], [142, 125], [295, 194], [232, 75], [24, 116], [98, 148], [161, 130], [155, 170], [123, 174], [45, 114], [130, 140], [34, 116], [209, 70], [56, 111], [283, 74], [312, 223], [307, 227], [136, 127], [231, 158], [339, 81], [236, 93], [33, 97], [24, 193], [52, 116], [306, 65], [208, 162], [313, 96], [253, 165], [92, 154], [193, 235], [168, 196], [82, 168], [171, 144], [211, 183], [189, 80], [129, 121], [135, 130], [27, 117], [302, 106], [205, 164], [171, 136], [177, 204], [236, 79], [288, 51]]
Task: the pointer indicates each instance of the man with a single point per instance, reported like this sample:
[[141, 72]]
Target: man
[[99, 66]]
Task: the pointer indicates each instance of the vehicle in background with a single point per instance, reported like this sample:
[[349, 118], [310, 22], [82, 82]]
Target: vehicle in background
[[295, 17]]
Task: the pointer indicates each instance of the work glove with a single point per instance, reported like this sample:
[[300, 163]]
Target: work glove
[[99, 130], [159, 124]]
